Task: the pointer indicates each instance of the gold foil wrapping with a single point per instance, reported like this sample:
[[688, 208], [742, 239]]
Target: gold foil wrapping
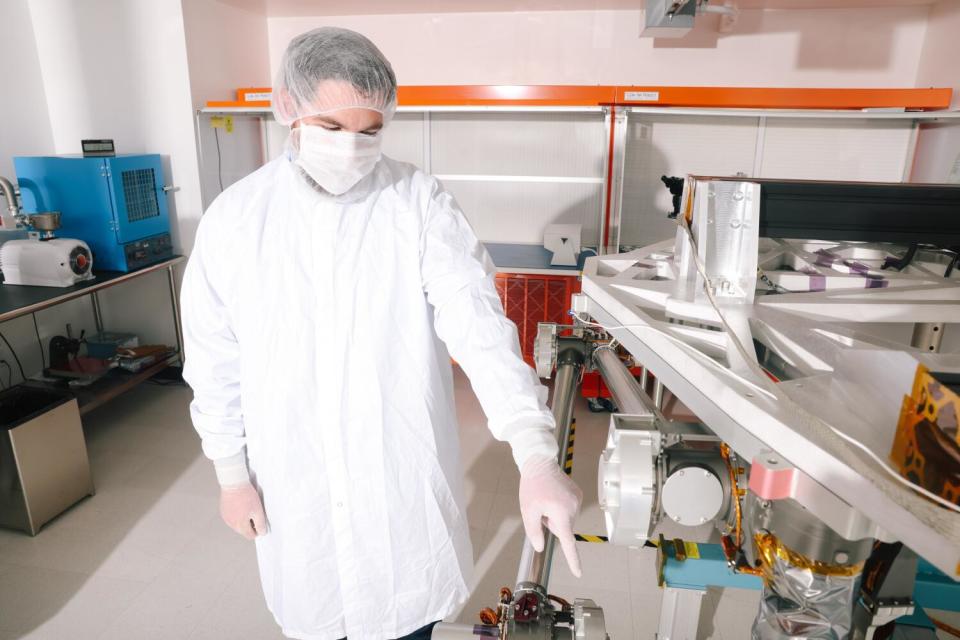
[[769, 547]]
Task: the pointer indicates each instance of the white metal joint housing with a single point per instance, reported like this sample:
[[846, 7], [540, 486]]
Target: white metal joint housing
[[627, 479], [692, 496], [545, 349]]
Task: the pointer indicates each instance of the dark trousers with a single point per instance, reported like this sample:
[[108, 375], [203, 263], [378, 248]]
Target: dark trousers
[[423, 633]]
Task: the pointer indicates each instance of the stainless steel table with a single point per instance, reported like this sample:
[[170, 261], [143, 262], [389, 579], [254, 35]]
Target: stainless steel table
[[18, 300]]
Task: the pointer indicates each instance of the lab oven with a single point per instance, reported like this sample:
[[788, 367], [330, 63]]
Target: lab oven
[[117, 204]]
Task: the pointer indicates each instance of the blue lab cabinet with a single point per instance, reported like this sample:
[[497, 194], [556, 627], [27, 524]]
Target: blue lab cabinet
[[116, 205]]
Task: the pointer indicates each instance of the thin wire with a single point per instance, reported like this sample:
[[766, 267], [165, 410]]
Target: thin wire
[[953, 263], [9, 374], [943, 626], [15, 357], [765, 279], [216, 137], [36, 327]]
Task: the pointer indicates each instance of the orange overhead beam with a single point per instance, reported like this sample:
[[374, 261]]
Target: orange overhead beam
[[782, 98], [705, 97], [220, 104], [505, 95]]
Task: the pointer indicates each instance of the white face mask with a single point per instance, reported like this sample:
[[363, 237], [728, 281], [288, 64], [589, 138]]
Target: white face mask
[[337, 160]]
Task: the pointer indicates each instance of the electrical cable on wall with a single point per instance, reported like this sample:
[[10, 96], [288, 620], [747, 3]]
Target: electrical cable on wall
[[216, 137], [15, 357], [9, 381], [36, 328]]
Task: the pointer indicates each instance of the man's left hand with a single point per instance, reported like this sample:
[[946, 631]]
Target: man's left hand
[[549, 498]]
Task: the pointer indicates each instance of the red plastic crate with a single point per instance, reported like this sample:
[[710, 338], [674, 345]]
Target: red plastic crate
[[531, 299]]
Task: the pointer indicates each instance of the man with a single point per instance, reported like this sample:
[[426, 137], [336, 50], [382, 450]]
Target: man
[[323, 300]]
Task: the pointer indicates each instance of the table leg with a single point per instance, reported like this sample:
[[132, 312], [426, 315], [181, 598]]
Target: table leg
[[97, 315], [175, 305]]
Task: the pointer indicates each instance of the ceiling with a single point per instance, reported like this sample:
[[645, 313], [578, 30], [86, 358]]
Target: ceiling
[[290, 8]]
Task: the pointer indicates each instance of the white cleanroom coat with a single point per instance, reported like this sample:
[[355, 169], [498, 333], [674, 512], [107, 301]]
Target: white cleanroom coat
[[318, 335]]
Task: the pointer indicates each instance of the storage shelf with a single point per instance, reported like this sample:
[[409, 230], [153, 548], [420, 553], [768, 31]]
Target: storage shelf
[[20, 300], [116, 382], [528, 259], [111, 385]]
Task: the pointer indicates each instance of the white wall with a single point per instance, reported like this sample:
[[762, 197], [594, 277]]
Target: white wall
[[939, 64], [23, 112], [938, 146], [876, 47], [118, 69], [226, 49], [26, 131]]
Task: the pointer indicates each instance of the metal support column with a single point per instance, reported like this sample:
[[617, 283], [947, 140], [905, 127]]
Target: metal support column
[[534, 571], [680, 614], [627, 393], [615, 127], [658, 393], [97, 315]]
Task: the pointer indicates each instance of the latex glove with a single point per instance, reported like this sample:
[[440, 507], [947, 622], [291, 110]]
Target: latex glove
[[242, 510], [549, 497]]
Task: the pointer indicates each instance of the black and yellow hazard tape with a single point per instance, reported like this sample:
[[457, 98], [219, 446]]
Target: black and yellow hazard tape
[[568, 460], [579, 537]]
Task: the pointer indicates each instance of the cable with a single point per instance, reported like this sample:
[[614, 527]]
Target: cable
[[36, 327], [216, 137], [953, 263], [15, 357], [771, 284], [943, 626], [901, 263], [9, 374], [564, 605]]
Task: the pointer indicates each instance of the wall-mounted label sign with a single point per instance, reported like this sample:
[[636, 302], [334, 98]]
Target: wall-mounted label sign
[[641, 96]]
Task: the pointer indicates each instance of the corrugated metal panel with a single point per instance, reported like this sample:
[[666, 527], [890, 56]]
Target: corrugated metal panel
[[677, 146], [869, 150], [403, 138], [519, 212], [526, 144]]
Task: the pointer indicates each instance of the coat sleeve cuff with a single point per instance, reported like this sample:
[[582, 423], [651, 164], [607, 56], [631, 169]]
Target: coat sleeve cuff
[[539, 442], [232, 471]]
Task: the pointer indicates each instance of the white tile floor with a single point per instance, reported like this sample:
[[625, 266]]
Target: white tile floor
[[148, 557]]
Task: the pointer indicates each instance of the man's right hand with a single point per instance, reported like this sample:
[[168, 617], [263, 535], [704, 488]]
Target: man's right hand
[[242, 510]]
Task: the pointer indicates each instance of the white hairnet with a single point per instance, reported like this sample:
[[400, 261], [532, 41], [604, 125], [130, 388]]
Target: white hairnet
[[330, 69]]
